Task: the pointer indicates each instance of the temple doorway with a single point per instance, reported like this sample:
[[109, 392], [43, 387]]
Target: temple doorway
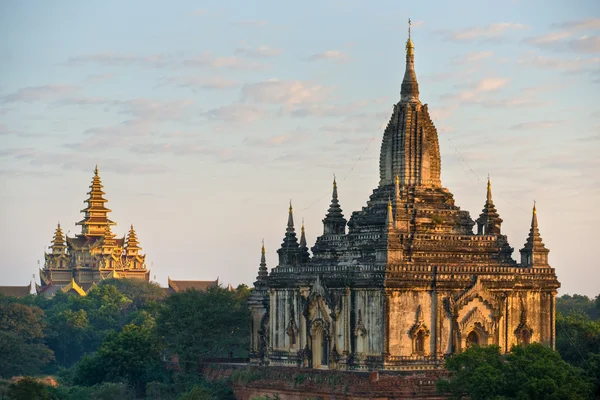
[[320, 347], [472, 339]]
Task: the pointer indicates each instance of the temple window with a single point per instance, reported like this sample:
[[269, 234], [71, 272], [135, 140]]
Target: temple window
[[420, 342]]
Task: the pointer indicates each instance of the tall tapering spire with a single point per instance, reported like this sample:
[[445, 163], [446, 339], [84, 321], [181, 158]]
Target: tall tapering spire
[[397, 189], [290, 224], [288, 253], [133, 244], [58, 242], [262, 269], [304, 254], [534, 253], [390, 215], [95, 214], [410, 87], [334, 222], [489, 221]]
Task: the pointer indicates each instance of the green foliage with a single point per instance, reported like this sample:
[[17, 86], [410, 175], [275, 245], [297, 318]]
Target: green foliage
[[22, 348], [28, 388], [567, 304], [132, 356], [197, 325], [531, 372]]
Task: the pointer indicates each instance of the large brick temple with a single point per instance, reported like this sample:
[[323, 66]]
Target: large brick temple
[[75, 264], [407, 280]]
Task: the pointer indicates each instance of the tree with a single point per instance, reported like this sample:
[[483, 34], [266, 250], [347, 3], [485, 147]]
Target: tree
[[22, 349], [567, 304], [530, 372], [197, 325], [132, 356], [28, 388]]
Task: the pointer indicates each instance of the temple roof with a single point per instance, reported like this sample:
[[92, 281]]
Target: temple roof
[[290, 240], [181, 286], [534, 240], [489, 220], [16, 291], [95, 214]]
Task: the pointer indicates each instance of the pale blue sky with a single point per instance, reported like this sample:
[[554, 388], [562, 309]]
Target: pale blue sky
[[205, 118]]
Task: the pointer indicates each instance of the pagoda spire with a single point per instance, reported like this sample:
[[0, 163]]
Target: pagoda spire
[[334, 222], [534, 253], [288, 253], [95, 214], [489, 221], [262, 269], [390, 215], [304, 254], [410, 87], [132, 243], [58, 242], [397, 189]]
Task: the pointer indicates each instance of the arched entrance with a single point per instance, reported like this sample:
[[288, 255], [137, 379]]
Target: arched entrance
[[473, 339], [320, 346]]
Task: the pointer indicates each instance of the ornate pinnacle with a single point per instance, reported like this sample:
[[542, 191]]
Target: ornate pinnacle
[[410, 88], [489, 190], [290, 224], [397, 188], [302, 235], [390, 214], [96, 170]]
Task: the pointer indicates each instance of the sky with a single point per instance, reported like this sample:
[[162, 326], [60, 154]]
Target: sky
[[206, 117]]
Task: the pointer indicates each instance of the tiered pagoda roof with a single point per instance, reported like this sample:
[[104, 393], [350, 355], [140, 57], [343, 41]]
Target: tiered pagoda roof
[[96, 217]]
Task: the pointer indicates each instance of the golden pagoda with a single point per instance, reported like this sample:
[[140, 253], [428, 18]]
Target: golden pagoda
[[93, 255]]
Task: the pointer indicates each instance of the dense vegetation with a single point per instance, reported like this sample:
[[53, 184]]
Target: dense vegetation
[[535, 371], [119, 340], [122, 339]]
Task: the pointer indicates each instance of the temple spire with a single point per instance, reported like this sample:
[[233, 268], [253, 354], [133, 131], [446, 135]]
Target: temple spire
[[262, 269], [489, 221], [397, 189], [95, 214], [133, 244], [288, 253], [334, 222], [534, 253], [304, 254], [290, 224], [390, 215], [58, 242], [410, 88]]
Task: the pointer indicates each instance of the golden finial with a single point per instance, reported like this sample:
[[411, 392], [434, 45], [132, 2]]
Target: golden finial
[[290, 206], [409, 44], [334, 182], [96, 170], [262, 250], [397, 180], [534, 211]]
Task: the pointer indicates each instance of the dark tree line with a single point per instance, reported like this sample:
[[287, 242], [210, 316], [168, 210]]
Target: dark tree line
[[120, 339]]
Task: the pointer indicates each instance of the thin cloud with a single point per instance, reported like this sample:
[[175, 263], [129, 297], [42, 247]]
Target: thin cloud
[[230, 62], [116, 59], [236, 113], [535, 125], [475, 92], [329, 55], [582, 24], [195, 82], [285, 92], [277, 140], [36, 93], [99, 78], [561, 64], [258, 52], [492, 31]]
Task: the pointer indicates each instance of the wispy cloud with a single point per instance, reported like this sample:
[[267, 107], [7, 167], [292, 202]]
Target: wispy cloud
[[285, 92], [121, 59], [236, 113], [535, 125], [195, 82], [557, 41], [330, 55], [258, 52], [582, 24], [36, 93], [473, 57], [99, 78], [207, 59], [561, 64], [277, 140], [474, 92], [488, 32]]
